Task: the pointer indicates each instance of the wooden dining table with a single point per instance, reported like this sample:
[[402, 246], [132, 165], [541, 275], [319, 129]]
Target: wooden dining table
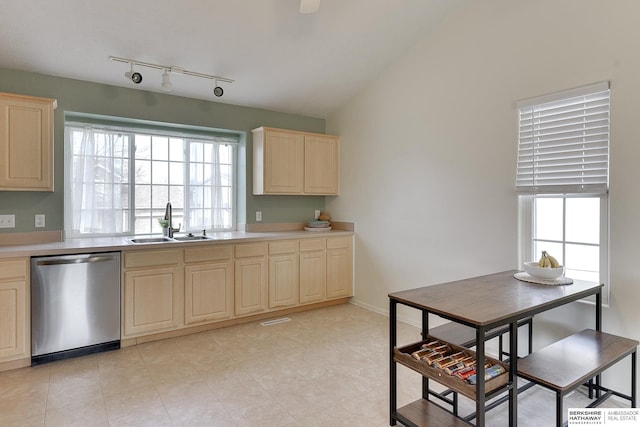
[[483, 303]]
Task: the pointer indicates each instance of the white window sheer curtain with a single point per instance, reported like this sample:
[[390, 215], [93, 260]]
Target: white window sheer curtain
[[207, 199], [99, 180]]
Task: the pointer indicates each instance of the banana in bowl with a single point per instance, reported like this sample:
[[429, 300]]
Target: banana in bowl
[[543, 272]]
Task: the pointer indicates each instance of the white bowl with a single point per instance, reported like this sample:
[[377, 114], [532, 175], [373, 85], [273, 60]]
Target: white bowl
[[542, 272]]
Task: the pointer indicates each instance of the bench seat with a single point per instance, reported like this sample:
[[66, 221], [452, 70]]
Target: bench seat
[[575, 360]]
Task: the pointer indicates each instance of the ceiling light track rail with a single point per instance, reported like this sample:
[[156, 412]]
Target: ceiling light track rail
[[166, 70]]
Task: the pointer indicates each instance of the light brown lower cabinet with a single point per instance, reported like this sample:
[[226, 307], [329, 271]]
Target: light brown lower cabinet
[[339, 267], [313, 270], [14, 310], [169, 289], [251, 288], [154, 300], [208, 284], [283, 273], [153, 292]]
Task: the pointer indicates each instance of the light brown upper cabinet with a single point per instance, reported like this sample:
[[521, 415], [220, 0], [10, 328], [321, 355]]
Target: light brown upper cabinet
[[292, 162], [26, 143]]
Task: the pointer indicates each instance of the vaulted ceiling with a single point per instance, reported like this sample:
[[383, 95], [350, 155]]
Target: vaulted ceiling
[[280, 59]]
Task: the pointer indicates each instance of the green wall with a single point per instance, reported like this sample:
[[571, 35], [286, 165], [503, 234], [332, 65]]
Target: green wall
[[87, 97]]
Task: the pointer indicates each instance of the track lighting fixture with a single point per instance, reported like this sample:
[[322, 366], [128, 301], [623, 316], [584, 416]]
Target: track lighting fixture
[[167, 85], [134, 77], [217, 91]]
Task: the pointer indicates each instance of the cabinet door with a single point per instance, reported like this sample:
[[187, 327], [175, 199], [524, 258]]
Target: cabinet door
[[321, 164], [339, 276], [14, 328], [283, 280], [250, 286], [208, 292], [283, 162], [312, 276], [26, 143], [153, 300]]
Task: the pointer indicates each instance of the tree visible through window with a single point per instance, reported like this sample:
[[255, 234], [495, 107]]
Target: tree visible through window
[[119, 181]]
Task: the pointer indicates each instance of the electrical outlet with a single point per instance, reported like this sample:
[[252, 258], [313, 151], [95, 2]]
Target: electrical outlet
[[317, 213], [39, 220], [258, 216], [8, 221]]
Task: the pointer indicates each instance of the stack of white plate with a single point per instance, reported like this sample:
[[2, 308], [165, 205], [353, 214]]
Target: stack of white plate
[[317, 225]]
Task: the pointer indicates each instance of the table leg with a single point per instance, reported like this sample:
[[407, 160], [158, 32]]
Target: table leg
[[633, 379], [513, 374], [480, 381], [393, 403], [425, 333], [598, 328]]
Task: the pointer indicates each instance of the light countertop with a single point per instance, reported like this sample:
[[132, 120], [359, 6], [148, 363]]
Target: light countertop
[[106, 244]]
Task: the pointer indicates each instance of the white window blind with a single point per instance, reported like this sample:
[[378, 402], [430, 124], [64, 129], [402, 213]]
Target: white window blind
[[563, 143]]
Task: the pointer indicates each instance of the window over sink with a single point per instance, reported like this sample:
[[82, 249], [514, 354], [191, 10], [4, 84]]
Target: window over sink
[[119, 176]]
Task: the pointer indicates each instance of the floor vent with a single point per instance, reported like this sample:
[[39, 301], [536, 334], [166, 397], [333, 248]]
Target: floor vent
[[275, 321]]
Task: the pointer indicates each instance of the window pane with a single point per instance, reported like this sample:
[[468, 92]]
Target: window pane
[[583, 262], [176, 149], [143, 196], [583, 220], [143, 172], [160, 148], [176, 173], [195, 152], [160, 196], [159, 172], [143, 147], [548, 218]]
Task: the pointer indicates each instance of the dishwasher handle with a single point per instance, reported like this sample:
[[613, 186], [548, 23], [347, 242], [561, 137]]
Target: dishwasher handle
[[82, 260]]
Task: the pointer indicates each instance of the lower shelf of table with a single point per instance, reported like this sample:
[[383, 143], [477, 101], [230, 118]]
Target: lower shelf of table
[[428, 414], [403, 356]]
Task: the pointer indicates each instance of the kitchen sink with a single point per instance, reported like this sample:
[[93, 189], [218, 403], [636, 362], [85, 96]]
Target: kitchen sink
[[150, 240], [188, 238]]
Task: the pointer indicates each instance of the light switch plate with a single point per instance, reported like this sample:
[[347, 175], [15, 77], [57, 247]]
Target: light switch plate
[[8, 221], [39, 220]]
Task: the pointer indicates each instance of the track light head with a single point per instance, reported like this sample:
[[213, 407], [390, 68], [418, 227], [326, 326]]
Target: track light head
[[166, 85], [217, 91], [134, 77]]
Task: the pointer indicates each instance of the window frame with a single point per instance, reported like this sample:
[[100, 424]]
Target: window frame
[[148, 128], [526, 231], [576, 185]]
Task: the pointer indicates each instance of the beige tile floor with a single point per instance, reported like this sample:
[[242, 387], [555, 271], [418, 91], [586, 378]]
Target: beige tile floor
[[327, 367]]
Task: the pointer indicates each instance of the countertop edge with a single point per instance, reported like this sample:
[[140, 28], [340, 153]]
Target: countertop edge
[[108, 244]]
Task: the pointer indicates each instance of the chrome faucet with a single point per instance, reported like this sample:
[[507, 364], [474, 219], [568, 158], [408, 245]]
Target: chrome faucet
[[168, 216]]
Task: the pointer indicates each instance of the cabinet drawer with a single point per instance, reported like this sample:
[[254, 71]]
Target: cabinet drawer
[[13, 268], [208, 253], [283, 247], [338, 242], [152, 258], [307, 245], [249, 250]]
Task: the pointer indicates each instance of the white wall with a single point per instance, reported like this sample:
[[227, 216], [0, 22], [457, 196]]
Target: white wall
[[428, 150]]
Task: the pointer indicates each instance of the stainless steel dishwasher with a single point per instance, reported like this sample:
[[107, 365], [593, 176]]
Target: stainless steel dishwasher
[[75, 305]]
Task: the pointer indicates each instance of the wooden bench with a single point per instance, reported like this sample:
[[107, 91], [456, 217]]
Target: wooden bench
[[565, 365]]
